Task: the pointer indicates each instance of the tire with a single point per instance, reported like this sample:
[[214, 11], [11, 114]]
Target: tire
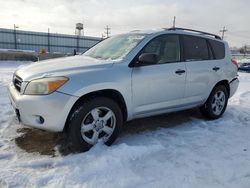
[[216, 103], [98, 119]]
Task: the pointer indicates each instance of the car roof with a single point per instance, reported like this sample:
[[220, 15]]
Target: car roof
[[183, 31]]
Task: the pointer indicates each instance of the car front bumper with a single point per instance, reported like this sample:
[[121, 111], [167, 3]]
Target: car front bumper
[[47, 112]]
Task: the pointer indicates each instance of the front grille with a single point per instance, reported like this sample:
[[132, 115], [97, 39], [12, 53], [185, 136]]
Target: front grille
[[17, 81]]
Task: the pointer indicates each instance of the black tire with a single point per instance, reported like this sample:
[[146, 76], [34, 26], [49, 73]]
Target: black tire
[[207, 109], [76, 141]]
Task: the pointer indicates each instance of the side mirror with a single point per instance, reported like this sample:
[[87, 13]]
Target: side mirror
[[147, 59]]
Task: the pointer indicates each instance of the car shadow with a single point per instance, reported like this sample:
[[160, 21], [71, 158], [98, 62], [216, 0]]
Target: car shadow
[[43, 142]]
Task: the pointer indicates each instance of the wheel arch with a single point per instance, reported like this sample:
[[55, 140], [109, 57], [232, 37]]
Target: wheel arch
[[109, 93], [224, 83], [206, 107]]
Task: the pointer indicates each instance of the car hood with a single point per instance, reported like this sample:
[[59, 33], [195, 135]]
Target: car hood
[[61, 67]]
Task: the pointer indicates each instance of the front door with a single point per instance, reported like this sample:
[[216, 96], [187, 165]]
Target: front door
[[161, 85]]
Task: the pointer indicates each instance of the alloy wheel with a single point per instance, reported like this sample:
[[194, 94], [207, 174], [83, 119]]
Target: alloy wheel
[[218, 102], [97, 125]]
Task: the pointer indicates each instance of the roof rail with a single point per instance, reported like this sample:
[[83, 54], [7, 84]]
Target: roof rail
[[192, 30]]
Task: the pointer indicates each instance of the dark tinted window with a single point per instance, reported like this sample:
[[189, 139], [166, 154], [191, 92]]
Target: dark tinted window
[[195, 48], [166, 47], [218, 49]]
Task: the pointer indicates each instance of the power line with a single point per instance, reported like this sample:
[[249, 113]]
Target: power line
[[240, 31], [238, 35]]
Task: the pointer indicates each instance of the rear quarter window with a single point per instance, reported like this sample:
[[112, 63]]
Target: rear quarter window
[[195, 48], [218, 49]]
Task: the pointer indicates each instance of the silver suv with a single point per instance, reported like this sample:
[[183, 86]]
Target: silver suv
[[128, 76]]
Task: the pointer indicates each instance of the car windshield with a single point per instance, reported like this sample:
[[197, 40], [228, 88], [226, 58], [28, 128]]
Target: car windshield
[[116, 47]]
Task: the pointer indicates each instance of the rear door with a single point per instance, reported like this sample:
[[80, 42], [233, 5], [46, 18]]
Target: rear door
[[161, 85], [202, 70]]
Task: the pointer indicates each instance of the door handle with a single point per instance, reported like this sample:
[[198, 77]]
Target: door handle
[[179, 72], [216, 69]]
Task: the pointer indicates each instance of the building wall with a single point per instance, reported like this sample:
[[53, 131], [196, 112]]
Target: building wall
[[52, 42]]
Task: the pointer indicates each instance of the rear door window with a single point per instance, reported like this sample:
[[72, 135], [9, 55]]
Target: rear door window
[[218, 49], [195, 48]]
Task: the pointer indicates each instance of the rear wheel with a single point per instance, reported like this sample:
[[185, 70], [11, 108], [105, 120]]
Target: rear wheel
[[97, 120], [216, 103]]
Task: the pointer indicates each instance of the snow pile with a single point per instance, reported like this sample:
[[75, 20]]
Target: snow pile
[[193, 153], [16, 50]]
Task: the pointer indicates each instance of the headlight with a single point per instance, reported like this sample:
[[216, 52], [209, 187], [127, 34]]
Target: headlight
[[44, 86]]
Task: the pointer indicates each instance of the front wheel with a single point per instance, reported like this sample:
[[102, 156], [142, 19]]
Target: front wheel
[[97, 120], [216, 103]]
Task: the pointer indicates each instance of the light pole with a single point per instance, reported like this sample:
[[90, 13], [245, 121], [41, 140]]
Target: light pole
[[15, 38]]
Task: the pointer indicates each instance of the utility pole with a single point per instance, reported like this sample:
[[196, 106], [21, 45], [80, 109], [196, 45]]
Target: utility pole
[[174, 22], [223, 32], [107, 31]]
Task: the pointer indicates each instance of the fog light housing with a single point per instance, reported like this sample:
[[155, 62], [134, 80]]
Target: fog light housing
[[39, 119]]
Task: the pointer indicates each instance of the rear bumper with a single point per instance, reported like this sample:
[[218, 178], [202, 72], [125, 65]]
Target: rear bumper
[[234, 84], [53, 109]]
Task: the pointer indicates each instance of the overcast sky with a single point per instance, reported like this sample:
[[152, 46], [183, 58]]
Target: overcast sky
[[126, 15]]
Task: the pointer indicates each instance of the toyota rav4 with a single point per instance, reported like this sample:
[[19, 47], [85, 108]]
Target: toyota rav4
[[124, 77]]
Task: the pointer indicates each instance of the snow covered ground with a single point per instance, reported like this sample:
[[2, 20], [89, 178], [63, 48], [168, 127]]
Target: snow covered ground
[[175, 150]]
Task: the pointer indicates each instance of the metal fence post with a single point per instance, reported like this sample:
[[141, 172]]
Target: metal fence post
[[77, 43], [48, 41], [15, 41]]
